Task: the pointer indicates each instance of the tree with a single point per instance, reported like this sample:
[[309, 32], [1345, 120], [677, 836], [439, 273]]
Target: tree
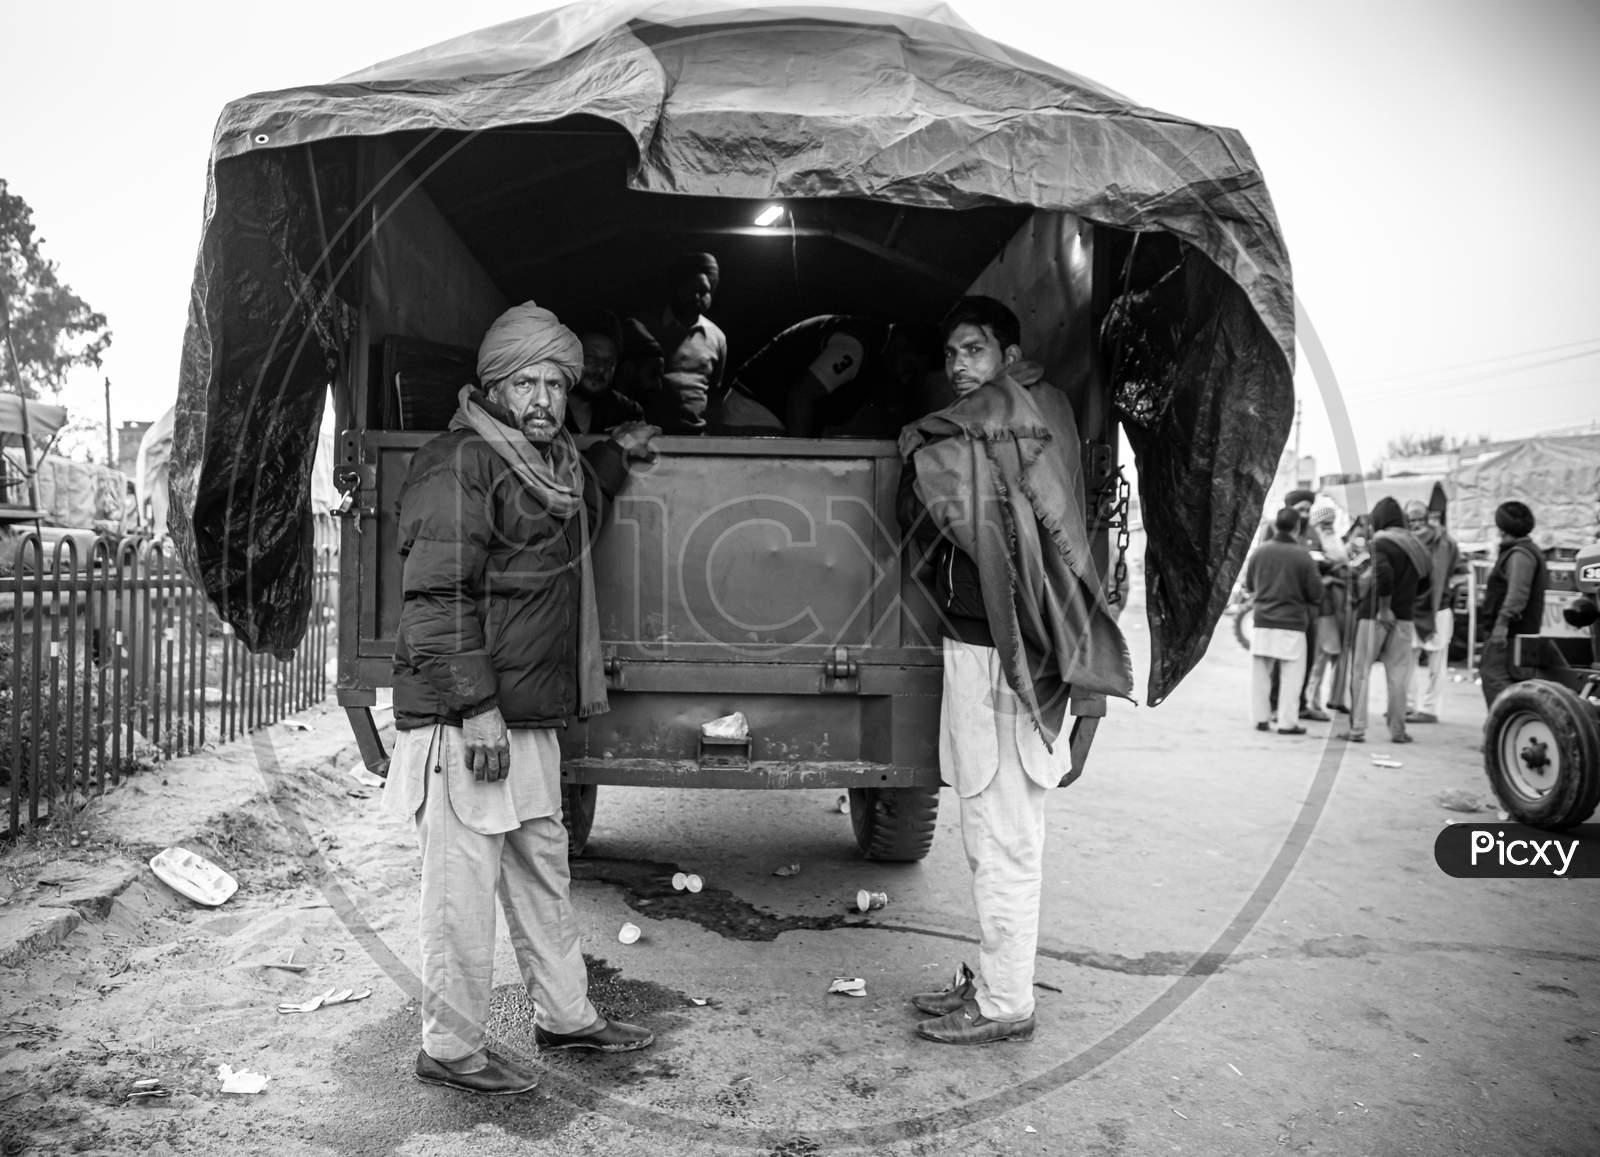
[[1410, 445], [50, 328]]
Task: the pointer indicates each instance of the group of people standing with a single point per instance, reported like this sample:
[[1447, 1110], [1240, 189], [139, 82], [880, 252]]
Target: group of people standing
[[1329, 607]]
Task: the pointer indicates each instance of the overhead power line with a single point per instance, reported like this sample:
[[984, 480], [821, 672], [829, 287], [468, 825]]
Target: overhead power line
[[1505, 363]]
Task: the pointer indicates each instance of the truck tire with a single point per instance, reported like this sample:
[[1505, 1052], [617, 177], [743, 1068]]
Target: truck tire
[[1542, 754], [894, 824], [577, 814]]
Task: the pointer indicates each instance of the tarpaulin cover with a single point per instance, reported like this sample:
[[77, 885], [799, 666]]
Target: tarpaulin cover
[[1558, 478], [909, 107]]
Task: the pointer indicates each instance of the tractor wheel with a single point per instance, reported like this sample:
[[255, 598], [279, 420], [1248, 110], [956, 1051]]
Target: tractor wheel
[[1541, 751], [577, 813], [894, 823]]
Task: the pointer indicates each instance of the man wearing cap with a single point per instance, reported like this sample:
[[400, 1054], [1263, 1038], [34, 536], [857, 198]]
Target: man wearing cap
[[1435, 619], [694, 348], [595, 404], [1513, 598], [497, 647], [1384, 631]]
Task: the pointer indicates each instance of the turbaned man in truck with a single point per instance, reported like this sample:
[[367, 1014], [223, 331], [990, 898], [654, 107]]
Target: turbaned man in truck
[[498, 646], [990, 494]]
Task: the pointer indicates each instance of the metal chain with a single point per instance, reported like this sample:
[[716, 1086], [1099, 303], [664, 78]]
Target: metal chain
[[1119, 521]]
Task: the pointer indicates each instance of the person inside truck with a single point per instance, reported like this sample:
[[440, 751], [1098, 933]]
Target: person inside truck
[[1006, 679], [834, 375], [596, 405], [498, 646], [639, 363], [694, 348]]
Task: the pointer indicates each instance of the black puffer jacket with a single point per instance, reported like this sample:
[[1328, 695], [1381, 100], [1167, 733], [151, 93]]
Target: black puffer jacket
[[490, 587]]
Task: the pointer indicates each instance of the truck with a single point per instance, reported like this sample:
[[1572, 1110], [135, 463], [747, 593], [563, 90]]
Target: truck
[[360, 237]]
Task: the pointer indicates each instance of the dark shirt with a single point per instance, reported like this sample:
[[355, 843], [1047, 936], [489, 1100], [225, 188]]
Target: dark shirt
[[607, 410], [1285, 584], [1395, 578]]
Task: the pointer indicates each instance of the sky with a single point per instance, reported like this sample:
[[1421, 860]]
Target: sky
[[1434, 164]]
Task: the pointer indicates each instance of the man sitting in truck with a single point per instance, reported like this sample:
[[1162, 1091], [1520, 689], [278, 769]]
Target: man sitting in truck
[[990, 497], [832, 375], [498, 646], [596, 405], [694, 347]]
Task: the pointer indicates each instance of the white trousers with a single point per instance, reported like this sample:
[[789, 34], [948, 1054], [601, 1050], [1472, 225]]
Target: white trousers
[[1427, 686], [462, 871], [986, 742]]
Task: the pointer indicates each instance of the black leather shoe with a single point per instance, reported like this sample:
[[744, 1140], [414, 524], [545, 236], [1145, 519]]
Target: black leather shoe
[[606, 1036], [950, 999], [968, 1026], [498, 1078]]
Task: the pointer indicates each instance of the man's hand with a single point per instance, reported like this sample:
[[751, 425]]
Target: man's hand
[[488, 745], [635, 439], [1385, 616]]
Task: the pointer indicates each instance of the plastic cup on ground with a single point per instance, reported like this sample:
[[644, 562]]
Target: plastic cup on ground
[[679, 881], [867, 901], [693, 883], [628, 933]]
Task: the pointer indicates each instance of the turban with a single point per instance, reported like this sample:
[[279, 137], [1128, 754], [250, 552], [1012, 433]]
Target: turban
[[523, 335], [1416, 509], [1323, 512], [688, 264], [1514, 518], [1299, 496]]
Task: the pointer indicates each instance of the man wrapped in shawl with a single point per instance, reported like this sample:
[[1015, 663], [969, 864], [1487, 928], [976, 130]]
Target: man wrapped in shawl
[[990, 496], [498, 646]]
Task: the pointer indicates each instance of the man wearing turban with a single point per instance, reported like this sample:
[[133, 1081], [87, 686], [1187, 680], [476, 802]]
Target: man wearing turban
[[695, 349], [498, 646], [1513, 598]]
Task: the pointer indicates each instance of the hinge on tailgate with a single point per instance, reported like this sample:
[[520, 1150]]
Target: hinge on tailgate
[[841, 674], [612, 666]]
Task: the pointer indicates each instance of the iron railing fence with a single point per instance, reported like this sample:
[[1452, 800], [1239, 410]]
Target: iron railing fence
[[117, 659]]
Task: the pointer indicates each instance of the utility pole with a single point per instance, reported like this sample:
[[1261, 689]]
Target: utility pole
[[111, 457], [1299, 408]]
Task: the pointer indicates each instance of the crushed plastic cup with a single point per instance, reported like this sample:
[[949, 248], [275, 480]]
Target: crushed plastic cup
[[843, 805], [241, 1081], [679, 881], [786, 870], [867, 901], [628, 933], [693, 882], [848, 986]]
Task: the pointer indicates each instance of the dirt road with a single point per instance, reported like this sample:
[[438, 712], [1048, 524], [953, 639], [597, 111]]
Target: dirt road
[[1246, 948]]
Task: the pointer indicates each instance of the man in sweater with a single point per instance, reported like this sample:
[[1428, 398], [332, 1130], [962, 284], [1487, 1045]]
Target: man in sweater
[[1427, 687], [1283, 581], [1384, 630], [1513, 600]]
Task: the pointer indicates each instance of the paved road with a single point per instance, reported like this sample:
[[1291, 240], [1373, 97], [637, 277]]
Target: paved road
[[1246, 948]]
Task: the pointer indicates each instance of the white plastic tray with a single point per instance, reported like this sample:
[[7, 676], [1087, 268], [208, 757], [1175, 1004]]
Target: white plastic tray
[[193, 876]]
